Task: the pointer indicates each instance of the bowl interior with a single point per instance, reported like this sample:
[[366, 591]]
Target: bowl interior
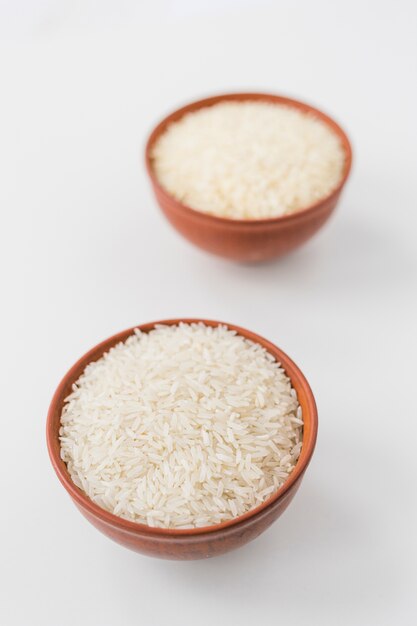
[[298, 381], [240, 97]]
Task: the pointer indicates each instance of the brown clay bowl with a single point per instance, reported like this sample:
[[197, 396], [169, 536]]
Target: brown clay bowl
[[195, 543], [246, 240]]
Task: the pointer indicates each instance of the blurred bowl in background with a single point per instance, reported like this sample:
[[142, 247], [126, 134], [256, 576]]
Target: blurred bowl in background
[[247, 240]]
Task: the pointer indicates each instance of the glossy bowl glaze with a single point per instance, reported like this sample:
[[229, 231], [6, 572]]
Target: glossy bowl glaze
[[194, 543], [246, 240]]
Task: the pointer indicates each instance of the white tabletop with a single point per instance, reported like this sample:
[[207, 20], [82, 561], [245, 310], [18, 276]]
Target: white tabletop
[[85, 253]]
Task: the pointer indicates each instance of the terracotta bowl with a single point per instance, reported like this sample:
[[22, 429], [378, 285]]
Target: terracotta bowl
[[246, 240], [196, 543]]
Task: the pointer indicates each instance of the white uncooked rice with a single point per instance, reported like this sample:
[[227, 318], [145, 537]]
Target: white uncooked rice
[[184, 426], [248, 160]]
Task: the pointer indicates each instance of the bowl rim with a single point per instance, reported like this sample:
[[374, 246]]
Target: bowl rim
[[81, 498], [160, 128]]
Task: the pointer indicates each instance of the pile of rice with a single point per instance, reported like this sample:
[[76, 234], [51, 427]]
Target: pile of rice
[[184, 426], [248, 160]]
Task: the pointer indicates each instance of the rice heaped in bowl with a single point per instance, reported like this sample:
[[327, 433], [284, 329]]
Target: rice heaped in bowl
[[248, 159], [183, 426]]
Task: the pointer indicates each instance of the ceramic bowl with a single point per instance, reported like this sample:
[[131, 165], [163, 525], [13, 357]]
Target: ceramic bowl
[[246, 240], [195, 543]]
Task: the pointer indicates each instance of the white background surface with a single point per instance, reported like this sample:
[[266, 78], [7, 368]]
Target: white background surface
[[86, 253]]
